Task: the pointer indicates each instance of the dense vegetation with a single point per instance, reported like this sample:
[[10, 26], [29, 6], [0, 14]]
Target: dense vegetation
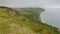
[[23, 21]]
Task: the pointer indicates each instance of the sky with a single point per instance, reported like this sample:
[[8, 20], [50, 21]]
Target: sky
[[31, 3]]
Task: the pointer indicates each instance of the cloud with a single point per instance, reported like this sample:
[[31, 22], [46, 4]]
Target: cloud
[[31, 3]]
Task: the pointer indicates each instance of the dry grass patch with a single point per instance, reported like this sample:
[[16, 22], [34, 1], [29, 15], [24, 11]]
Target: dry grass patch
[[17, 29]]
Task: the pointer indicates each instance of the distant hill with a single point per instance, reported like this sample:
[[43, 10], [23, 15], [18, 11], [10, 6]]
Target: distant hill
[[23, 21], [33, 13]]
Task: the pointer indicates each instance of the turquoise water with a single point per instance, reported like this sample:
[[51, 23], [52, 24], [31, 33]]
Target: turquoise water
[[51, 16]]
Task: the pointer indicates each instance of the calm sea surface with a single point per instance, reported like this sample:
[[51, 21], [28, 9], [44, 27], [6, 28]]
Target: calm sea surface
[[51, 16]]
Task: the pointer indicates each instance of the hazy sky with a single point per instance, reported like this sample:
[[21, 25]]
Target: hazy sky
[[31, 3]]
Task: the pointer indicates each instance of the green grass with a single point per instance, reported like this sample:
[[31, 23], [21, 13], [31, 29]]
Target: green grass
[[23, 22]]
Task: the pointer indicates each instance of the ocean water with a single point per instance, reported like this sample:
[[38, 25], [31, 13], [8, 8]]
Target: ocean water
[[51, 16]]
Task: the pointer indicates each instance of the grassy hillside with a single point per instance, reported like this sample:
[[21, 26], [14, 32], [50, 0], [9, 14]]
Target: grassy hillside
[[23, 21], [31, 13]]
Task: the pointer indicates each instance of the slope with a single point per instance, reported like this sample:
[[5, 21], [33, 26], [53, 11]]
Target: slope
[[16, 22]]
